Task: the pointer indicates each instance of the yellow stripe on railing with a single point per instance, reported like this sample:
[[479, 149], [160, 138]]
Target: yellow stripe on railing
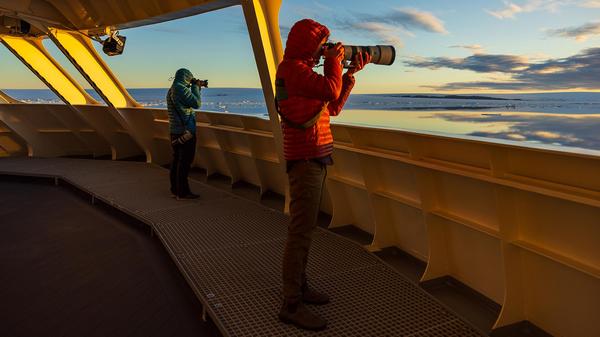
[[30, 53]]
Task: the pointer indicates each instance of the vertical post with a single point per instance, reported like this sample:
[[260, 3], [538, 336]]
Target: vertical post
[[437, 263], [262, 20], [513, 306]]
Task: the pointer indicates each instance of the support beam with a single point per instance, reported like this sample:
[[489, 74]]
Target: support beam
[[11, 144], [80, 51], [33, 54], [262, 20]]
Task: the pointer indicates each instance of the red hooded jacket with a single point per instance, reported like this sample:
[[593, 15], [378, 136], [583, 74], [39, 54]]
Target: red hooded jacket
[[307, 91]]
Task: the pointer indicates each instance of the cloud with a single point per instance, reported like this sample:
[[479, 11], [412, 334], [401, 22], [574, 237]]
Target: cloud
[[474, 48], [388, 27], [580, 33], [411, 18], [580, 71], [591, 4], [511, 9], [387, 34], [481, 63], [322, 7], [508, 12]]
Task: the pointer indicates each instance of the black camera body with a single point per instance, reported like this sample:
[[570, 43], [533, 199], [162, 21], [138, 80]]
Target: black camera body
[[200, 83], [14, 26], [114, 45]]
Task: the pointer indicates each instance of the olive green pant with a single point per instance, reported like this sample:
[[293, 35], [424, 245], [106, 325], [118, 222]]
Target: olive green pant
[[306, 179]]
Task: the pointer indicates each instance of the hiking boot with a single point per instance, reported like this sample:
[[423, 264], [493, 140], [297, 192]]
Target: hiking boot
[[312, 296], [300, 316]]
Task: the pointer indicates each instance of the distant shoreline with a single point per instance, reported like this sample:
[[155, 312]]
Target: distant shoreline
[[429, 108], [471, 97]]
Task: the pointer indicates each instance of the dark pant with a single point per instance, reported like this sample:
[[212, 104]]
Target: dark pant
[[306, 180], [183, 156]]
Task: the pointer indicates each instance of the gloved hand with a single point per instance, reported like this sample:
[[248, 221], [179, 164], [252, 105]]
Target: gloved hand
[[359, 62], [336, 51]]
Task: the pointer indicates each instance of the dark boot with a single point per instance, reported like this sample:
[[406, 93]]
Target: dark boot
[[312, 296], [300, 316]]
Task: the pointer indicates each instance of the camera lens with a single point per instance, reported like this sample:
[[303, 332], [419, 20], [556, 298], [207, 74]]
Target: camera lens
[[380, 54], [384, 55]]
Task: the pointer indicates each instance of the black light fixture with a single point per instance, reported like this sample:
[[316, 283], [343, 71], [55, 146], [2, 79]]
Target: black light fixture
[[15, 25], [114, 44]]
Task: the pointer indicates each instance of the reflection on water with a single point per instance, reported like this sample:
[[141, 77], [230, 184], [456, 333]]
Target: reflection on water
[[573, 130]]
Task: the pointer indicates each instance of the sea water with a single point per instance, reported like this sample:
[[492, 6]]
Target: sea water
[[563, 119]]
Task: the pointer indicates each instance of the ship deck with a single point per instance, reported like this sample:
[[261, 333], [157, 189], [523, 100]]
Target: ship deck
[[229, 250], [72, 269]]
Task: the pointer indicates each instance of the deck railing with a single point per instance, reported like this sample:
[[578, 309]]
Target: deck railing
[[521, 225]]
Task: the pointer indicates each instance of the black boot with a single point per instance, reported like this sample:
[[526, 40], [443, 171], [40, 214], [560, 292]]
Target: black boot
[[299, 315]]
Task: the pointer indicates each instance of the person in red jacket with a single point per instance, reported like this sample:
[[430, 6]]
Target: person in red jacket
[[306, 100]]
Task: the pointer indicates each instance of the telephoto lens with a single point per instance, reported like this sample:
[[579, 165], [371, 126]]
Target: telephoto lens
[[380, 54]]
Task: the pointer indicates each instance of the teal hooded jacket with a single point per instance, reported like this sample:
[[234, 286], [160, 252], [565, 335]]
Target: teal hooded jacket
[[182, 99]]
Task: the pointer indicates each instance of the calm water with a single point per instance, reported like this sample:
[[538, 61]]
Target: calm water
[[564, 119]]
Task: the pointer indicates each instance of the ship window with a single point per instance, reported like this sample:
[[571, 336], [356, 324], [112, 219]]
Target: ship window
[[214, 46], [70, 68], [19, 82]]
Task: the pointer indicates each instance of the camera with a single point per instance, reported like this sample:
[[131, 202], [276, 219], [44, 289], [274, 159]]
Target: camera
[[183, 138], [114, 44], [200, 83], [14, 26], [380, 54]]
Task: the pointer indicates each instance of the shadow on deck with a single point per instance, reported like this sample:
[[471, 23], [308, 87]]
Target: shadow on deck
[[70, 269]]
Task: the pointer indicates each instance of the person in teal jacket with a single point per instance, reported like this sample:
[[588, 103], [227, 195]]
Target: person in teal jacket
[[182, 98]]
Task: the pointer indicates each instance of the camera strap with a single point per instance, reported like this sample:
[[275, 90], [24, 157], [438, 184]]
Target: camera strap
[[281, 94]]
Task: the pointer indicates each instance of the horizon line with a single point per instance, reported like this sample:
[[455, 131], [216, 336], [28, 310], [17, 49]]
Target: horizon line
[[371, 93]]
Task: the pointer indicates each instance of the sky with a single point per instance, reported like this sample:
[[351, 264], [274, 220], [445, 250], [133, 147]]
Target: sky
[[461, 46]]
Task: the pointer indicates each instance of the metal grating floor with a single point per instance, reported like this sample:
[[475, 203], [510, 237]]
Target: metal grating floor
[[229, 249], [372, 301]]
